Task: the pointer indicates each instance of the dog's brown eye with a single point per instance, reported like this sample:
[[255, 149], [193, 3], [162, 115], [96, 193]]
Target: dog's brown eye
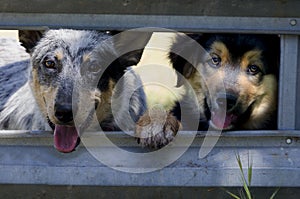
[[49, 64], [215, 60], [253, 69]]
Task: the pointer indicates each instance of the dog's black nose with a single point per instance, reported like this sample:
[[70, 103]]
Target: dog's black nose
[[226, 99], [63, 113]]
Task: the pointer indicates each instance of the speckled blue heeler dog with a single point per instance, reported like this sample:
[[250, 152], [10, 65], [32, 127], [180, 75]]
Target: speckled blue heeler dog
[[72, 76]]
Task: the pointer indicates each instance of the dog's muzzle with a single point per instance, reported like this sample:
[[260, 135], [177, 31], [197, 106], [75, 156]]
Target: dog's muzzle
[[63, 113], [226, 100], [223, 115]]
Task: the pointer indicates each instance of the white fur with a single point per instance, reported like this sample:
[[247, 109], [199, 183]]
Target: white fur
[[22, 113]]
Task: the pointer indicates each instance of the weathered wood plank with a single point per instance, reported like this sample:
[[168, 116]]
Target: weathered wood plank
[[239, 8]]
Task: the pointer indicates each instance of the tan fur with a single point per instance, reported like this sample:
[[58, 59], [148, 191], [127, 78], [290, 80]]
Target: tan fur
[[220, 49], [86, 57], [262, 96], [41, 94], [252, 57], [104, 108], [266, 102], [59, 54], [198, 86]]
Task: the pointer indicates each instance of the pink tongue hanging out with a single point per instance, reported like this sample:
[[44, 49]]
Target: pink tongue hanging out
[[222, 120], [65, 138]]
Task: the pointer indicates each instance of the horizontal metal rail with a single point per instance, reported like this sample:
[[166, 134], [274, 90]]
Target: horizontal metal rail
[[30, 158], [121, 22]]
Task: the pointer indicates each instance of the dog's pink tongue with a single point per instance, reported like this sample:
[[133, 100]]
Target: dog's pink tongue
[[222, 120], [65, 138]]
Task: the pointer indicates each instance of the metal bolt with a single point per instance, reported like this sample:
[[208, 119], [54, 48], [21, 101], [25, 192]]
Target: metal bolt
[[288, 140], [293, 22], [126, 2]]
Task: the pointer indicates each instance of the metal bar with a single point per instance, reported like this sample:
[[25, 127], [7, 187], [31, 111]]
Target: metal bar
[[43, 165], [274, 154], [288, 82], [185, 177], [227, 139], [181, 23], [298, 86]]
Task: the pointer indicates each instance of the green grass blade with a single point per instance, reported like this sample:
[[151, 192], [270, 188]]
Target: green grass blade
[[245, 185], [232, 195], [238, 158], [246, 188], [249, 175], [250, 166], [274, 194]]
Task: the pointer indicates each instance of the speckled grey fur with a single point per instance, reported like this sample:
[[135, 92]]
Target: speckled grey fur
[[19, 105]]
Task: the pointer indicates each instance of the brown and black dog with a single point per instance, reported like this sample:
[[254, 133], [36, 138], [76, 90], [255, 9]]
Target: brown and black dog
[[235, 79]]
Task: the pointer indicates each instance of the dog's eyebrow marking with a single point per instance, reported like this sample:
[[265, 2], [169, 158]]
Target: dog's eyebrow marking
[[86, 57], [59, 54], [253, 54], [221, 49], [252, 57]]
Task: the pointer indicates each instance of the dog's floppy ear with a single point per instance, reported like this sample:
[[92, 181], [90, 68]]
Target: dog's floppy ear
[[186, 46], [130, 45], [29, 38]]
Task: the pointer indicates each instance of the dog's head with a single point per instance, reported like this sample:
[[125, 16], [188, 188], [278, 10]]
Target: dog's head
[[238, 77], [73, 75]]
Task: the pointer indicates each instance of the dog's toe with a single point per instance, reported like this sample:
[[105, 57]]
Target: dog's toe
[[156, 129], [148, 137]]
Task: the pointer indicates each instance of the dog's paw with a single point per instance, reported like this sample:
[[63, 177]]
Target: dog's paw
[[156, 128]]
